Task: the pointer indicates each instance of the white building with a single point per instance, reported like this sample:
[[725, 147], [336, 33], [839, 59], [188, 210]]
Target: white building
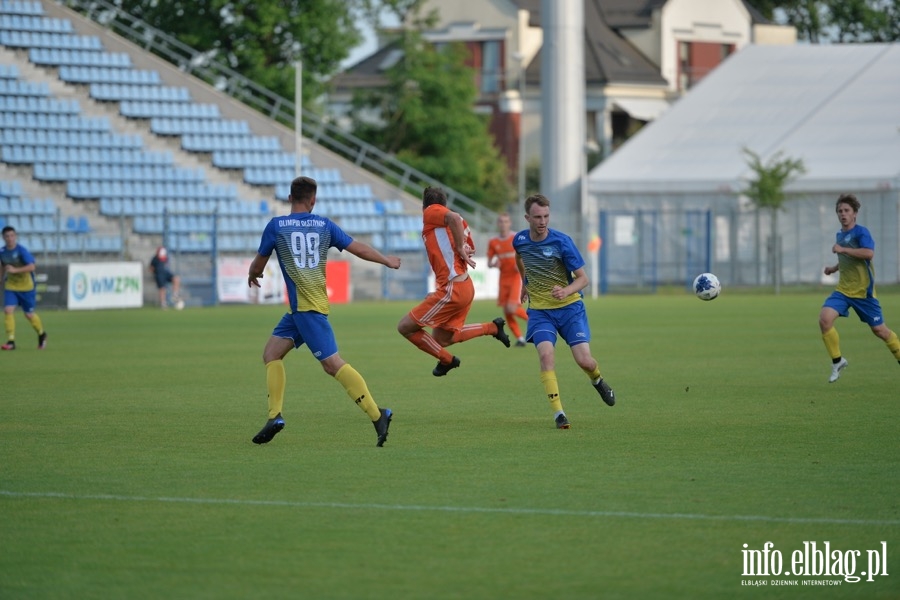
[[669, 201]]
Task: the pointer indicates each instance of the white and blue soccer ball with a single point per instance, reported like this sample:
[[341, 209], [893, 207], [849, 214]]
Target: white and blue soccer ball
[[707, 286]]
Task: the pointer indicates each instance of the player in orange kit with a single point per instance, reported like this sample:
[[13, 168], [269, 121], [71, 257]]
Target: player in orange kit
[[449, 246], [501, 254]]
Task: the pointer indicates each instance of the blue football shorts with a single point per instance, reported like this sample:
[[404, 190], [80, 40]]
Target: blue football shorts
[[27, 300], [310, 328], [867, 309], [570, 322]]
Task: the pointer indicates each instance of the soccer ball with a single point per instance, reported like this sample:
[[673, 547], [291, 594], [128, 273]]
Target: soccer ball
[[707, 286], [179, 304]]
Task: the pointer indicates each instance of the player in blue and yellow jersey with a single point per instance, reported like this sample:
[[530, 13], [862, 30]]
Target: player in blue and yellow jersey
[[855, 250], [19, 288], [553, 276], [302, 240]]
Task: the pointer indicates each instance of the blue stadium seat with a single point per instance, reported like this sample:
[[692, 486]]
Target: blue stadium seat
[[127, 78], [9, 71], [11, 189]]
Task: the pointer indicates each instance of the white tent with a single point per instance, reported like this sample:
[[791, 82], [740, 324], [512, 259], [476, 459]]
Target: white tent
[[836, 107]]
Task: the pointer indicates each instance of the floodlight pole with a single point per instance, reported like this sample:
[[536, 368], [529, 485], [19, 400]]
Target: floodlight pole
[[521, 150], [298, 116]]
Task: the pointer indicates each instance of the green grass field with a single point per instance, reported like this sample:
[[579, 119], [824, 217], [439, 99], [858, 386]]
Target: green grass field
[[127, 469]]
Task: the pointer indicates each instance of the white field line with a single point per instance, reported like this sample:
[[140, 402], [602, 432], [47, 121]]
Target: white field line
[[451, 509]]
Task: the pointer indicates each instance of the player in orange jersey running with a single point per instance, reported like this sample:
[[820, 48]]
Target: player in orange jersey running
[[501, 254], [449, 246]]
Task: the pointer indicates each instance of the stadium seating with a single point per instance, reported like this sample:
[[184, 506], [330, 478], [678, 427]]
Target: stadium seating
[[42, 39], [189, 126], [99, 164], [21, 7], [84, 156], [54, 57], [18, 22], [240, 159], [41, 229], [108, 75]]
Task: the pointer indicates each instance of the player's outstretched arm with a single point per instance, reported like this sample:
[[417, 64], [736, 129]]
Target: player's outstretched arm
[[257, 267], [367, 252]]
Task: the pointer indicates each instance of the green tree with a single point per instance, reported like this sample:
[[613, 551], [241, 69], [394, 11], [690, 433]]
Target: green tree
[[766, 190], [837, 20], [261, 39], [865, 20], [425, 117]]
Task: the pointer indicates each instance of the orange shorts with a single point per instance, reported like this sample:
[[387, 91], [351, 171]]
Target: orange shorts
[[510, 290], [446, 308]]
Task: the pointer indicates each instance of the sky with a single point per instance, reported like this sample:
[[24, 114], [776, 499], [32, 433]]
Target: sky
[[365, 49]]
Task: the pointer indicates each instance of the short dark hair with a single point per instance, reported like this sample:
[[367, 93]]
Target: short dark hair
[[538, 199], [433, 195], [848, 199], [303, 189], [9, 228]]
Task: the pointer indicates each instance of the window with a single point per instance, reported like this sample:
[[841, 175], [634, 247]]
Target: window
[[490, 67], [697, 59]]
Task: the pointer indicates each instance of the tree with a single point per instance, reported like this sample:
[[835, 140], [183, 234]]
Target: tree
[[837, 20], [261, 39], [766, 191], [425, 117], [865, 20]]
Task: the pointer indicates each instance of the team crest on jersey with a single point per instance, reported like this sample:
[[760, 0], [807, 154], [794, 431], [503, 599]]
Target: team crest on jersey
[[548, 252]]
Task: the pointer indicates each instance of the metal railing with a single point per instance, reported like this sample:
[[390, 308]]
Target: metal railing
[[314, 127]]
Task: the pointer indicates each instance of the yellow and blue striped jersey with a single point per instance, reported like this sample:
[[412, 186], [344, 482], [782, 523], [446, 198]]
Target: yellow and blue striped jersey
[[17, 257], [302, 241], [548, 263], [857, 276]]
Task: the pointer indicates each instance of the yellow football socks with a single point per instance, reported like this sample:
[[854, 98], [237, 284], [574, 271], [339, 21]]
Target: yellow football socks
[[893, 344], [551, 387], [594, 374], [832, 343], [358, 391], [36, 323], [275, 381], [9, 320]]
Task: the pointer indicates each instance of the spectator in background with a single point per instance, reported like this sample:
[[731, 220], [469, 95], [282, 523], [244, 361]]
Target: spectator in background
[[162, 272], [19, 288]]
